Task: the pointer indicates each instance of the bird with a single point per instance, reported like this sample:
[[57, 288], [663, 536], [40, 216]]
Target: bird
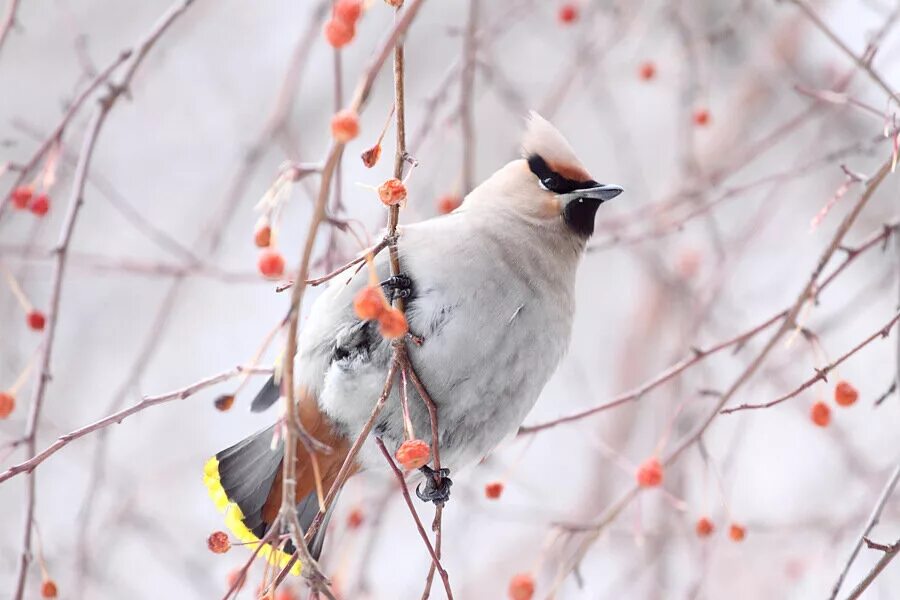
[[488, 290]]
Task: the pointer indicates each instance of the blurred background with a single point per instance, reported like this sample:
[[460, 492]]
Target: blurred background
[[731, 124]]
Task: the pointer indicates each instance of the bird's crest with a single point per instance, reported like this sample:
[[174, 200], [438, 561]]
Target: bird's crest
[[544, 140]]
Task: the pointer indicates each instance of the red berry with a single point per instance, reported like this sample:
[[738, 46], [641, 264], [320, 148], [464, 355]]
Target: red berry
[[413, 454], [36, 320], [348, 10], [218, 542], [521, 587], [370, 157], [650, 473], [448, 203], [48, 589], [236, 579], [845, 394], [493, 490], [820, 414], [369, 303], [344, 125], [224, 402], [285, 593], [339, 33], [271, 263], [701, 117], [737, 532], [262, 237], [7, 404], [392, 192], [355, 518], [568, 13], [40, 205], [392, 323], [704, 527], [21, 196], [647, 71]]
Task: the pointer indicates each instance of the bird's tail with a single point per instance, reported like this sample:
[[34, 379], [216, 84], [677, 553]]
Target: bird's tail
[[245, 482]]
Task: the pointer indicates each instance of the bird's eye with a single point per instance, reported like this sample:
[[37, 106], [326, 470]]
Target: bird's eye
[[548, 182]]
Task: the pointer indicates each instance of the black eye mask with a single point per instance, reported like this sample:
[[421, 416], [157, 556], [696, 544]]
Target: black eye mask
[[552, 180]]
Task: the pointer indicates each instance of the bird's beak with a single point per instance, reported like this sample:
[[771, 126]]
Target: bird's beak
[[599, 192]]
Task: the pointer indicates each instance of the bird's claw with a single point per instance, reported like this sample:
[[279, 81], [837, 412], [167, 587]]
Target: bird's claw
[[398, 286], [437, 486]]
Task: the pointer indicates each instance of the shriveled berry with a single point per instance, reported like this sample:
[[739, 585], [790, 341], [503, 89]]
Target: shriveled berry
[[820, 414], [737, 533], [224, 402], [355, 518], [647, 71], [271, 263], [338, 32], [392, 192], [348, 10], [48, 589], [845, 394], [650, 473], [369, 303], [36, 320], [701, 117], [262, 237], [40, 205], [448, 203], [704, 527], [413, 454], [370, 157], [521, 587], [21, 196], [7, 404], [218, 542], [493, 490], [392, 323], [345, 125], [568, 13]]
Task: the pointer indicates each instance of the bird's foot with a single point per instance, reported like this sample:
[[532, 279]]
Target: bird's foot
[[398, 286], [436, 487]]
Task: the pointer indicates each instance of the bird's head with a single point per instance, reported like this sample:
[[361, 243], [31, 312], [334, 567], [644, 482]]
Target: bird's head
[[549, 184]]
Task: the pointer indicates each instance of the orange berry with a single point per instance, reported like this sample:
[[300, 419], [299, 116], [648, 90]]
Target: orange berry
[[568, 13], [40, 205], [369, 303], [48, 589], [392, 192], [271, 263], [236, 579], [339, 33], [21, 196], [820, 414], [355, 518], [262, 237], [344, 125], [650, 473], [521, 587], [736, 532], [348, 10], [647, 71], [7, 404], [394, 3], [224, 402], [704, 527], [285, 593], [448, 203], [371, 156], [392, 323], [701, 117], [218, 542], [413, 454], [36, 320], [493, 490], [845, 394]]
